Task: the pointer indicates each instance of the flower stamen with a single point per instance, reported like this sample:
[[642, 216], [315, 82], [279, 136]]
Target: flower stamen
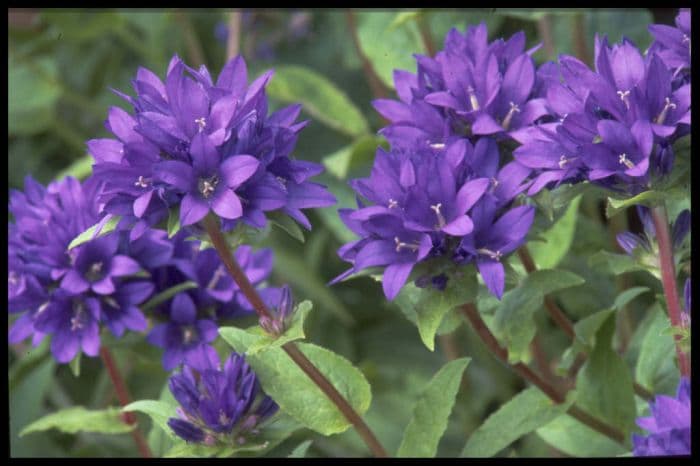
[[625, 161], [513, 110], [441, 219], [662, 116], [493, 255]]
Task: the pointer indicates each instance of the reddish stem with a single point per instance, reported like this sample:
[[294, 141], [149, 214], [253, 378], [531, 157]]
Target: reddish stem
[[668, 280], [124, 399], [379, 91]]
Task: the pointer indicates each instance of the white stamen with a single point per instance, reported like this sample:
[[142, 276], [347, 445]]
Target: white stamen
[[141, 182], [438, 214], [76, 322], [513, 110], [685, 39], [662, 116], [493, 255], [218, 273], [472, 98], [12, 278], [283, 182], [437, 145], [393, 204], [563, 161], [223, 418], [187, 335], [624, 96], [400, 245], [201, 122], [625, 161]]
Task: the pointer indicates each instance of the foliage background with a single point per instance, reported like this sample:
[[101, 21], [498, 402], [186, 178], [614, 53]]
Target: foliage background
[[61, 66]]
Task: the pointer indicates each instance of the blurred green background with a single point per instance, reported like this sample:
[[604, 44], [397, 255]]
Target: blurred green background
[[61, 66]]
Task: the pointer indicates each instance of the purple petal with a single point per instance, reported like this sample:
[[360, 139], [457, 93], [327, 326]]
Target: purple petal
[[175, 173], [192, 210], [227, 205], [493, 274], [74, 283], [469, 193], [182, 309], [460, 226], [394, 278], [123, 265], [205, 156], [238, 169]]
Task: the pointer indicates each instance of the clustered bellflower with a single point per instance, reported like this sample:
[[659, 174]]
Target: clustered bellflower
[[668, 425], [444, 189], [205, 146], [614, 125], [70, 294], [219, 405]]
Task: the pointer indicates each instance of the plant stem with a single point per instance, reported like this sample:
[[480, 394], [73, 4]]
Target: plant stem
[[668, 280], [544, 29], [222, 248], [425, 35], [379, 91], [233, 39], [192, 43], [124, 399], [565, 324], [528, 374]]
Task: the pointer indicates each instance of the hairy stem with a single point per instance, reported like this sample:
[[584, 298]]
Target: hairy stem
[[124, 399], [211, 226], [528, 374], [668, 280], [565, 324]]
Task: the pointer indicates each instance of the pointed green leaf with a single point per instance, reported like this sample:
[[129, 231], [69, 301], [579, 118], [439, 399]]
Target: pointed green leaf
[[173, 221], [616, 263], [285, 222], [647, 198], [300, 450], [570, 436], [628, 295], [92, 232], [586, 328], [656, 361], [292, 389], [79, 419], [167, 294], [557, 239], [159, 411], [322, 99], [75, 364], [513, 320], [525, 412], [431, 412], [548, 281]]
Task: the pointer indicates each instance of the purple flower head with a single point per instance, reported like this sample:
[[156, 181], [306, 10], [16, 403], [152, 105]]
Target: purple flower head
[[185, 338], [222, 405], [668, 425], [672, 44], [685, 316], [205, 145], [282, 313], [68, 294]]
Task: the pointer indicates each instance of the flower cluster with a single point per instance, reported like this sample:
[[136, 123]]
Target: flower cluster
[[204, 146], [444, 190], [219, 405], [668, 425], [70, 293], [614, 125]]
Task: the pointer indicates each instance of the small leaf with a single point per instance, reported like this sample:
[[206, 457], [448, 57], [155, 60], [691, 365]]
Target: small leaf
[[570, 436], [322, 99], [647, 198], [357, 154], [525, 412], [95, 231], [79, 419], [616, 263], [173, 221], [285, 222], [295, 393], [75, 364], [513, 320], [656, 361], [167, 294], [79, 169], [265, 340], [628, 295], [159, 411], [557, 239], [548, 281], [301, 449], [587, 327], [431, 412]]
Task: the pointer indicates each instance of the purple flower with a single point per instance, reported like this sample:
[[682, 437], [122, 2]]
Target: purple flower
[[185, 338], [207, 146], [222, 405], [673, 44], [668, 425], [282, 313]]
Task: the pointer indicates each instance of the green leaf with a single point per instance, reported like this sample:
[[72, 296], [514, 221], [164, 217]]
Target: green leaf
[[628, 295], [79, 169], [404, 17], [571, 437], [265, 340], [613, 402], [647, 198], [548, 281], [557, 239], [75, 364], [295, 393], [158, 410], [656, 361], [428, 307], [513, 320], [386, 48], [616, 263], [431, 412], [357, 154], [322, 99], [525, 412], [587, 328], [286, 223], [32, 95], [79, 419], [173, 221], [90, 233], [167, 294], [301, 449]]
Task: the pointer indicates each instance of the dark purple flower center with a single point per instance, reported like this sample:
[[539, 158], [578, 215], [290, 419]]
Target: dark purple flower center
[[206, 186], [78, 321], [142, 182], [189, 334], [95, 272]]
